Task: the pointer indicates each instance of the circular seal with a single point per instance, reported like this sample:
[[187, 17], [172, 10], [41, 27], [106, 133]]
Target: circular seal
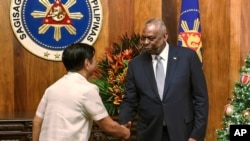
[[46, 27]]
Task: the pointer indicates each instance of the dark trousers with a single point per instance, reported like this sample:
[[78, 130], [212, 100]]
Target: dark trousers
[[165, 135]]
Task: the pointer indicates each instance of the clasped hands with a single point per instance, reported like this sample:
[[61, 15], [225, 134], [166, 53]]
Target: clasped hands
[[127, 126]]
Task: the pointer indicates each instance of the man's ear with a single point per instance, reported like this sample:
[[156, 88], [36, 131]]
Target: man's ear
[[85, 64], [166, 37]]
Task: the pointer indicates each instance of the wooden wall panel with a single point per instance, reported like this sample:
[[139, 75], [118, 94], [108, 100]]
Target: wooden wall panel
[[144, 10], [225, 25], [121, 18], [244, 23], [6, 60], [32, 76], [170, 15], [103, 39], [235, 42], [216, 58]]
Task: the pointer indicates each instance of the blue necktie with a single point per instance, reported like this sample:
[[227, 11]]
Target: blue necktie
[[160, 76]]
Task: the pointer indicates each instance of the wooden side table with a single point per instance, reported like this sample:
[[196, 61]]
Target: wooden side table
[[16, 127]]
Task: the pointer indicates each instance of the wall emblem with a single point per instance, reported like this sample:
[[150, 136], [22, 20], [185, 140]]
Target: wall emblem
[[190, 27], [190, 37], [46, 27]]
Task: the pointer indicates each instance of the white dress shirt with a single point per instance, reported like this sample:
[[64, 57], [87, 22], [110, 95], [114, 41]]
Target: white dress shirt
[[164, 56], [68, 109]]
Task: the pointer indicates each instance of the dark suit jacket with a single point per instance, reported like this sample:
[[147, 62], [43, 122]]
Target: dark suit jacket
[[184, 107]]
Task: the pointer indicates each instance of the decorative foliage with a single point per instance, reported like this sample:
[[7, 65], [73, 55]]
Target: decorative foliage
[[237, 111], [110, 75]]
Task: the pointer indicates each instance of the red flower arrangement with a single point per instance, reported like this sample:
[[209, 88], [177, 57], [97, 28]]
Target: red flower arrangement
[[110, 75]]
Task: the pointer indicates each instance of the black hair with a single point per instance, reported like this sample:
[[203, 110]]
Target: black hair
[[73, 56]]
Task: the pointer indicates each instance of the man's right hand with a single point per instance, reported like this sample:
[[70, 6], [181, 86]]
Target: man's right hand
[[127, 131]]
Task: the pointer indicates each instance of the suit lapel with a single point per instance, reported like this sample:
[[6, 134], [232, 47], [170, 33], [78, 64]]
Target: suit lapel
[[172, 62], [149, 71]]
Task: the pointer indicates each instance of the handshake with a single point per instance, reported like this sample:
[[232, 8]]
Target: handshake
[[113, 128], [126, 130]]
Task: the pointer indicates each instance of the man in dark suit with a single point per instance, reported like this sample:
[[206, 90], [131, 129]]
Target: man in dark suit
[[180, 111]]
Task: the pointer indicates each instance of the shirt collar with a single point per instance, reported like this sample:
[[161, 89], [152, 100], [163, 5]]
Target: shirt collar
[[76, 74], [164, 53]]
